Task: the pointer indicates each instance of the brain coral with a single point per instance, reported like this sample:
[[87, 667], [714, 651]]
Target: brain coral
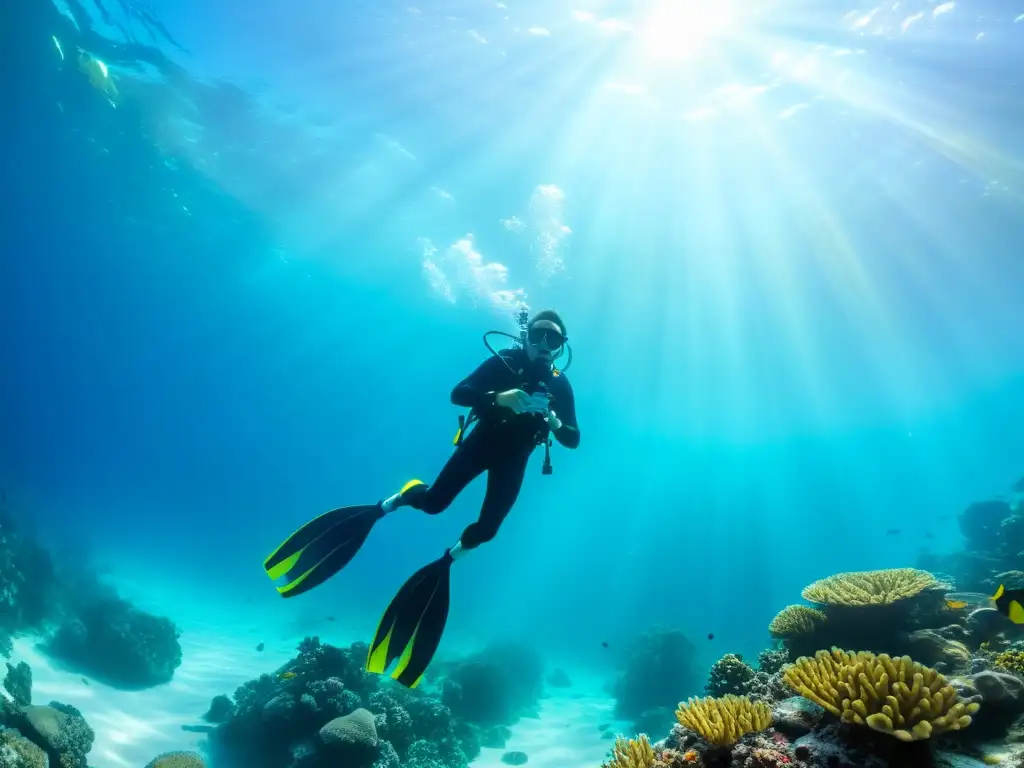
[[177, 760]]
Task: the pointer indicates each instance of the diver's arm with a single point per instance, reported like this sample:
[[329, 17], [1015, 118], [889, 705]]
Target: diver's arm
[[568, 432], [478, 390]]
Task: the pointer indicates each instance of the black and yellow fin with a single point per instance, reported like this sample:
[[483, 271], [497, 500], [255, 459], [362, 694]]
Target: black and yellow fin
[[411, 628], [320, 548], [999, 592], [411, 484]]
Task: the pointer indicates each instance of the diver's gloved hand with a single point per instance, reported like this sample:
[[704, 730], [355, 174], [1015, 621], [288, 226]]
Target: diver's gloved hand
[[515, 400], [553, 421]]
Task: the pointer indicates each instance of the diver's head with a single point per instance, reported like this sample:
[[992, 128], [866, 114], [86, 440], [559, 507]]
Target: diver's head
[[545, 336]]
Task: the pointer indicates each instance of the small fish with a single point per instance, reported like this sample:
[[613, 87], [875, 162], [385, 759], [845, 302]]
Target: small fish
[[893, 532], [331, 618], [604, 644], [929, 535], [85, 681], [1009, 602], [260, 647], [711, 635], [287, 675]]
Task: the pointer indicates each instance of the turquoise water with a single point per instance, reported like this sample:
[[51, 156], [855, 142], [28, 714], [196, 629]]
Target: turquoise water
[[249, 249]]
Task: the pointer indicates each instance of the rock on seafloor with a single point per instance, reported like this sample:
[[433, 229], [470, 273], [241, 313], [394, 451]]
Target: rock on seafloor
[[796, 716]]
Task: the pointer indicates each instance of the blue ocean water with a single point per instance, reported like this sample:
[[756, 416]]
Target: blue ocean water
[[248, 249]]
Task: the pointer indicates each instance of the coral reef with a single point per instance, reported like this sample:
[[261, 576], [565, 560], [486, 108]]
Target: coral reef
[[18, 752], [117, 642], [993, 532], [59, 729], [305, 714], [27, 581], [899, 611], [496, 686], [934, 685], [660, 669], [18, 683], [177, 760], [55, 735], [722, 721], [894, 696]]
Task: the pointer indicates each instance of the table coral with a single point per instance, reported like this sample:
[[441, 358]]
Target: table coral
[[796, 620], [894, 696], [864, 588]]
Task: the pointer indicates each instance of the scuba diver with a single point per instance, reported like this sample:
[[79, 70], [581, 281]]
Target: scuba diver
[[517, 399]]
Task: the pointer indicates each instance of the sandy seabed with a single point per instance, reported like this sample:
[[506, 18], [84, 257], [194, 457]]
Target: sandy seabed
[[219, 654]]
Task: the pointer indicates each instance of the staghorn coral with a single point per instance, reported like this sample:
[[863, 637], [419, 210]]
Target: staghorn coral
[[772, 660], [724, 721], [894, 696], [631, 753], [796, 620], [863, 588]]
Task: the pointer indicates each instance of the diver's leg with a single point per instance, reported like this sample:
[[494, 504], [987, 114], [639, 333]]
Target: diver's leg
[[466, 464], [504, 480]]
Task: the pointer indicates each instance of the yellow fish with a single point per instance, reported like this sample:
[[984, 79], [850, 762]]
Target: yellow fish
[[287, 675], [956, 605]]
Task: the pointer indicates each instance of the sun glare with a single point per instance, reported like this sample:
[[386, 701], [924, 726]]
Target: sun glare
[[681, 28]]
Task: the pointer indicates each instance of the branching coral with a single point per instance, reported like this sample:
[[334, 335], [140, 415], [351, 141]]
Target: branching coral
[[894, 696], [1011, 661], [772, 660], [796, 620], [729, 675], [862, 588], [631, 753], [724, 721]]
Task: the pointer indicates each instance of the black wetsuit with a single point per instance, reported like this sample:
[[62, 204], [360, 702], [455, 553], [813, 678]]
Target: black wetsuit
[[501, 442]]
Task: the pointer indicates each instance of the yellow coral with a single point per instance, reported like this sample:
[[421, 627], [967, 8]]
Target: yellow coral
[[631, 753], [1012, 661], [895, 696], [796, 620], [860, 588], [724, 721]]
